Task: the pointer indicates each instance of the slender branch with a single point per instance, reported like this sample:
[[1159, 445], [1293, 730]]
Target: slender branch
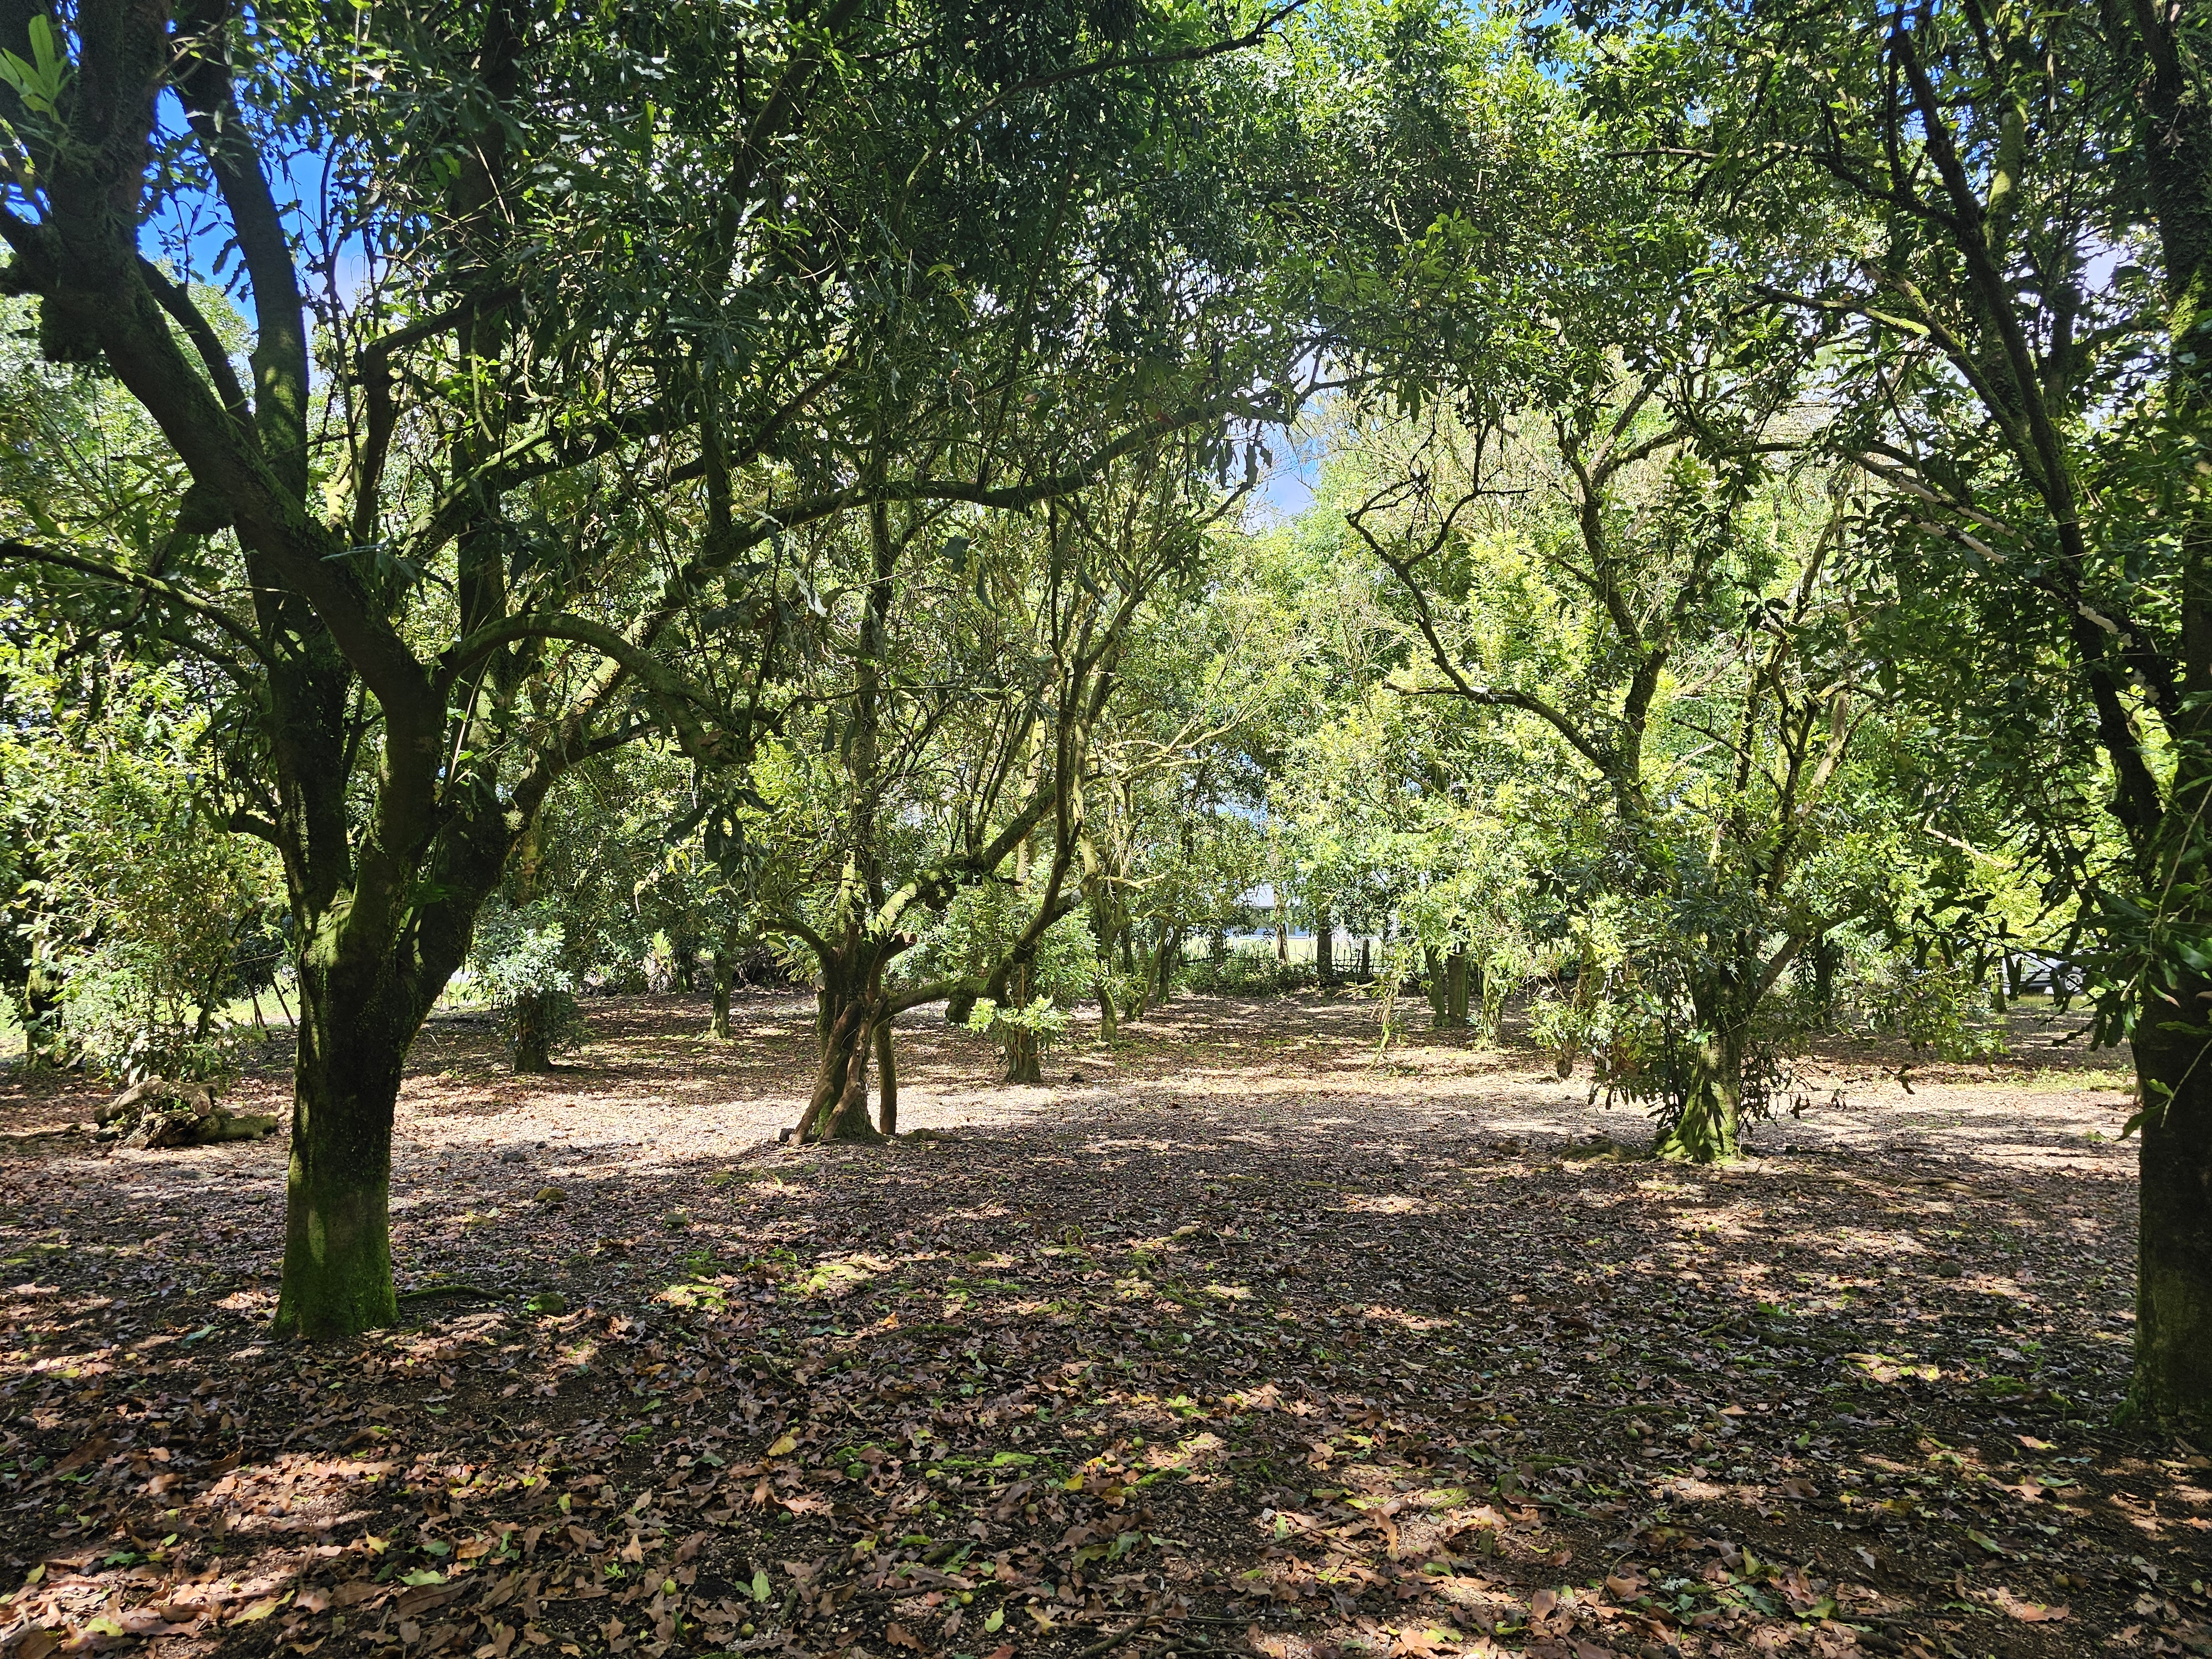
[[183, 599]]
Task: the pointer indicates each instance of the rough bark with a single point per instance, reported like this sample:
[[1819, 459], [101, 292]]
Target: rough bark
[[2173, 1381], [337, 1237], [1456, 990], [1708, 1129], [533, 1045]]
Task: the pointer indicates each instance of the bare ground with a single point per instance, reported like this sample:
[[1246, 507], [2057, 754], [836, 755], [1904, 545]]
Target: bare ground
[[1237, 1339]]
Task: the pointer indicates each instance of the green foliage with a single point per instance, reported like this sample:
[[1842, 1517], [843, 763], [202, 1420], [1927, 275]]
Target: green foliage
[[1042, 1022], [983, 923], [520, 957], [1943, 1009], [1250, 970]]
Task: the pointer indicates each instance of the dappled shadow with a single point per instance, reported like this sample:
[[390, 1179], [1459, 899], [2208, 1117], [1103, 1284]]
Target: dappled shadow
[[1298, 1355]]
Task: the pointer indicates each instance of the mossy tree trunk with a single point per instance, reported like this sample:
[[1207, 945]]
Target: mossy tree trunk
[[1709, 1128], [337, 1237]]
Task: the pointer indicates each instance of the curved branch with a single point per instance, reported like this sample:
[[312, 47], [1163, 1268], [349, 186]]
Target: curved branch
[[183, 599], [175, 300]]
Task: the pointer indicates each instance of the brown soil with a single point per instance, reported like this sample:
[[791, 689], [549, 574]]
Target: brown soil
[[1235, 1339]]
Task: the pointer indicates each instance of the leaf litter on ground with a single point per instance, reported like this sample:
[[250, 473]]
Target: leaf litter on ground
[[1245, 1344]]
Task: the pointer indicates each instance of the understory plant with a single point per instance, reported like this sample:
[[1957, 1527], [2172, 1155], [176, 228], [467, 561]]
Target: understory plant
[[521, 962]]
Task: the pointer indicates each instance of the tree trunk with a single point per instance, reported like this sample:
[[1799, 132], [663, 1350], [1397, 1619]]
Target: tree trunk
[[1025, 1062], [886, 1080], [42, 1018], [2173, 1381], [532, 1052], [1456, 990], [1108, 1019], [1282, 932], [837, 1047], [1712, 1099], [1159, 973], [850, 1121], [726, 971], [337, 1233], [1366, 961], [1024, 1058], [1324, 948], [1432, 982]]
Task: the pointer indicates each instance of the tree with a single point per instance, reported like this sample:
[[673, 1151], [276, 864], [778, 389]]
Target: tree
[[948, 706], [592, 298], [2008, 249]]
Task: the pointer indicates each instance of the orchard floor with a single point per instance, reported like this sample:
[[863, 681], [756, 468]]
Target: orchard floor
[[1233, 1341]]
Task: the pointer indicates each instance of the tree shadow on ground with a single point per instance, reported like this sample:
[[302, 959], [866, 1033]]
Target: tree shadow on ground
[[1274, 1364]]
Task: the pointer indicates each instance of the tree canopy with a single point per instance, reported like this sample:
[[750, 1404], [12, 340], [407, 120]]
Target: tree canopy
[[507, 501]]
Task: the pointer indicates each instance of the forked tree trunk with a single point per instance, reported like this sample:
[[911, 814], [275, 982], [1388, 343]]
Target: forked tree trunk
[[2173, 1381], [1711, 1120], [850, 1120], [337, 1234], [838, 1107]]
